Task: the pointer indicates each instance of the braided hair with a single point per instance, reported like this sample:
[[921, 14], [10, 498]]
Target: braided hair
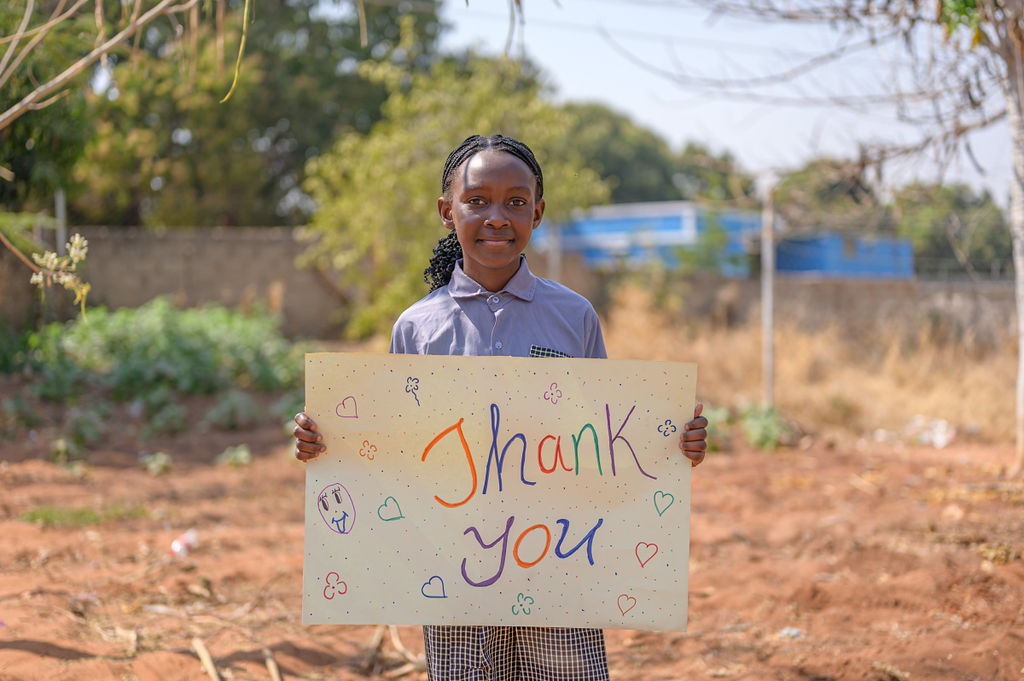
[[448, 250]]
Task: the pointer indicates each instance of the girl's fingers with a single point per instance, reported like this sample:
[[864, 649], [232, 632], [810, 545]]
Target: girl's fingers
[[699, 422], [304, 421], [692, 436], [306, 435], [698, 409]]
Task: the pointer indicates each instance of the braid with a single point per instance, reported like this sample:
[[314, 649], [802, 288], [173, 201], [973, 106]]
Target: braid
[[442, 263], [448, 250]]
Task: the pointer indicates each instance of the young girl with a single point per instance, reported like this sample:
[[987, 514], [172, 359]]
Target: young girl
[[485, 301]]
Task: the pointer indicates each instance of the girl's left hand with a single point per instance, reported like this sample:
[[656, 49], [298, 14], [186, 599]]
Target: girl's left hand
[[694, 439]]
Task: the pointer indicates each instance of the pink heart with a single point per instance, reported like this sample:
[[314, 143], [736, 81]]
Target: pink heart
[[341, 407], [644, 552], [627, 599]]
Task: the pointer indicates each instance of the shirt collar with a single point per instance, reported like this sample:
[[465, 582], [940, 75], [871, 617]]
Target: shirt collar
[[523, 283]]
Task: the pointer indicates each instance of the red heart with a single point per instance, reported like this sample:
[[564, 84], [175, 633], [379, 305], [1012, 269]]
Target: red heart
[[649, 550], [629, 600]]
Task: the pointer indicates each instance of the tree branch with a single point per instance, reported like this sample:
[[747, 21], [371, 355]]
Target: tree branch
[[13, 113]]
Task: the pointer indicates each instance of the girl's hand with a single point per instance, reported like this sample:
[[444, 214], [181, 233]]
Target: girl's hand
[[307, 440], [694, 439]]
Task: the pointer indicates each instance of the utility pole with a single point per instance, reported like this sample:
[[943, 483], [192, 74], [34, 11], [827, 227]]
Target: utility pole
[[768, 295], [60, 211]]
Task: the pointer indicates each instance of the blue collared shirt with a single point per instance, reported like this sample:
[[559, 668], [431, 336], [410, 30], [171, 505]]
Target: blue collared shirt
[[530, 316]]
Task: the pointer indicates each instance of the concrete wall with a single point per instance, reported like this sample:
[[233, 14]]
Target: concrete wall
[[241, 266]]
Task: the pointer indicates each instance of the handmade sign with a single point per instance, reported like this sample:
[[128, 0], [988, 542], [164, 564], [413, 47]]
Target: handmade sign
[[497, 490]]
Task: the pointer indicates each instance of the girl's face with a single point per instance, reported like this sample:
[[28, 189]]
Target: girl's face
[[493, 209]]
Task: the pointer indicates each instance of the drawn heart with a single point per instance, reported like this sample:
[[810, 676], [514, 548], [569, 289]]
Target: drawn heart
[[626, 603], [432, 586], [343, 411], [389, 510], [644, 552], [335, 587], [662, 500]]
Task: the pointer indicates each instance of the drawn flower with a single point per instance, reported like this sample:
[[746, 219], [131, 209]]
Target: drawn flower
[[412, 384], [523, 606], [368, 450], [667, 428], [553, 394]]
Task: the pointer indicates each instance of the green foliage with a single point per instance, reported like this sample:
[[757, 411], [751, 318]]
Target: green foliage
[[955, 14], [166, 152], [84, 427], [948, 223], [235, 409], [191, 351], [763, 427], [57, 516], [235, 457], [719, 421], [287, 406], [377, 194], [169, 419], [16, 415], [834, 195], [638, 165], [41, 147]]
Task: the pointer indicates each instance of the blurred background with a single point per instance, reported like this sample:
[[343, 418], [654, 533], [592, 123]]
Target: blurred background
[[810, 203]]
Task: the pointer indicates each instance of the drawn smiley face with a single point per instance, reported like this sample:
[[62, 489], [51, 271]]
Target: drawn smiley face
[[336, 508]]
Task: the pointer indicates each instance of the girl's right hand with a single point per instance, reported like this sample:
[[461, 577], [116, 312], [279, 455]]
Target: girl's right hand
[[308, 442]]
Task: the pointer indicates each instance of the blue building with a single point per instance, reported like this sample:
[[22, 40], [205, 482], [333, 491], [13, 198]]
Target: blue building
[[636, 234]]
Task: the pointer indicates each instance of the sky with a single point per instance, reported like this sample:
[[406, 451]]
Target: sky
[[609, 51]]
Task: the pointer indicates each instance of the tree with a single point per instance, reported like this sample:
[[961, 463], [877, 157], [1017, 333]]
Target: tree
[[831, 194], [966, 71], [39, 150], [948, 223], [166, 153], [639, 165], [377, 223]]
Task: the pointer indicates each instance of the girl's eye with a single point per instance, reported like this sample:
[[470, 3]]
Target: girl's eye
[[518, 203], [476, 201]]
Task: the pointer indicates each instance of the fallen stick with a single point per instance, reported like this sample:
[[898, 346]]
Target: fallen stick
[[204, 657], [268, 657]]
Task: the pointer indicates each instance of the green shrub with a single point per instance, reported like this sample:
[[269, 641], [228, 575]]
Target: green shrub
[[763, 427], [16, 414], [157, 463], [234, 409], [85, 426], [168, 420]]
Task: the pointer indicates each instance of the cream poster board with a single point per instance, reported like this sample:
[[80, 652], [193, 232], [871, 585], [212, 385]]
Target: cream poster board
[[496, 490]]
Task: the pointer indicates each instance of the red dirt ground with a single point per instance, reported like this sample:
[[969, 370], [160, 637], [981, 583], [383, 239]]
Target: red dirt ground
[[851, 563]]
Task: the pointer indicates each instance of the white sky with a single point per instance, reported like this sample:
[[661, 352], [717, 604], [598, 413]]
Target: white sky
[[566, 40]]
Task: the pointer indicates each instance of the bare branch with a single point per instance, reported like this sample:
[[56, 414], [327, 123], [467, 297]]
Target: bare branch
[[47, 26], [58, 82], [25, 51], [29, 6]]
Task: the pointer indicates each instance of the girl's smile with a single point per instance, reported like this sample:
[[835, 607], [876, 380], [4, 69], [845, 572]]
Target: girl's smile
[[493, 209]]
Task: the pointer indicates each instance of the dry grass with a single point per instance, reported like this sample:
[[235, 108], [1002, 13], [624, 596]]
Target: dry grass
[[833, 382]]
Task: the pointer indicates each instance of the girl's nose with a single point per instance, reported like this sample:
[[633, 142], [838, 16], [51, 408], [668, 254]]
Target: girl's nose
[[496, 218]]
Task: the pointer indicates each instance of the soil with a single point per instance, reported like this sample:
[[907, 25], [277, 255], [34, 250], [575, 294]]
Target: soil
[[852, 562]]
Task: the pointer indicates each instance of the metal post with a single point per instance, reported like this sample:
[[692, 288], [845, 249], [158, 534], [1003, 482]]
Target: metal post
[[61, 212], [768, 297]]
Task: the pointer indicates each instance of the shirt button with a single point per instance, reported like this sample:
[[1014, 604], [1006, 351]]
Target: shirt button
[[493, 300], [498, 345]]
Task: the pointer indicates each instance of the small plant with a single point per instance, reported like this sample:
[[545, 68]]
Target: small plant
[[16, 415], [157, 463], [85, 426], [234, 410], [287, 406], [235, 457], [763, 427], [168, 420], [64, 452]]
